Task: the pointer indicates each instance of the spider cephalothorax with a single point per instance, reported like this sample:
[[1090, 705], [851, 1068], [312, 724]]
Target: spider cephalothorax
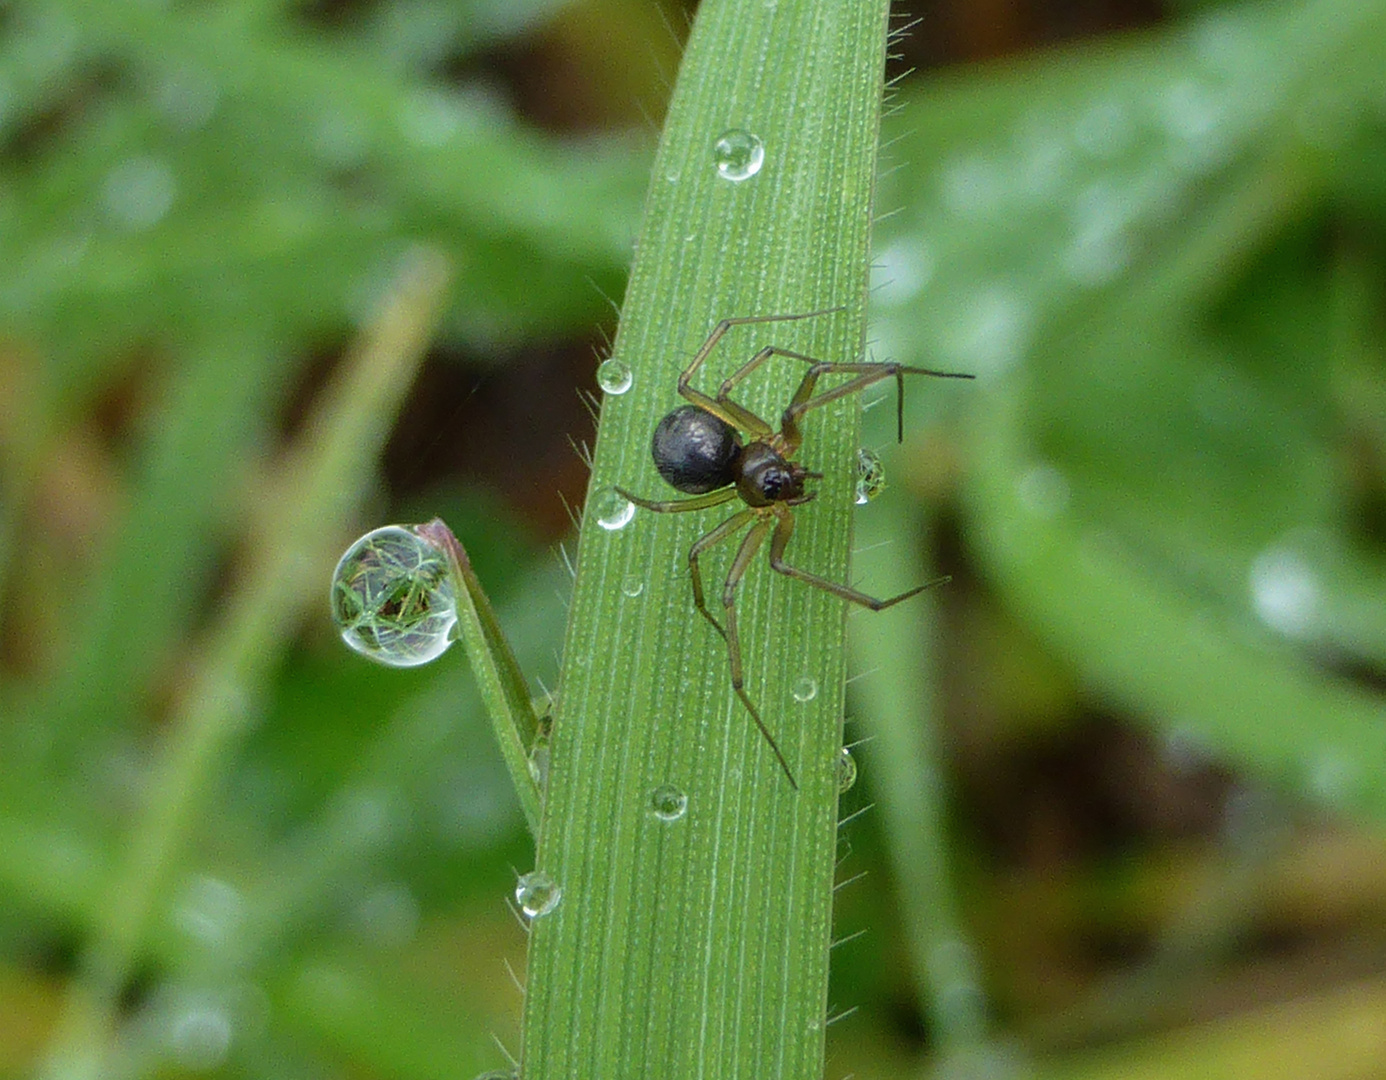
[[699, 449]]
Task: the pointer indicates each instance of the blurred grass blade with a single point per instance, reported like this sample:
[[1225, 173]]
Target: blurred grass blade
[[304, 512], [697, 945], [498, 675], [898, 698]]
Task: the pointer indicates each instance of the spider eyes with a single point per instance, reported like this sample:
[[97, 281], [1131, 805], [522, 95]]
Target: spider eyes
[[773, 481]]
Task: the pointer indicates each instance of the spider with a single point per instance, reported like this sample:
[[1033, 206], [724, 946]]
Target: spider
[[698, 449]]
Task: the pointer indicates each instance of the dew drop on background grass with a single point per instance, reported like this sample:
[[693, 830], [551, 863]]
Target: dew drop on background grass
[[668, 803], [139, 193], [1043, 490], [1284, 591], [632, 586], [846, 770], [537, 893], [393, 598], [210, 911], [614, 511], [870, 476], [614, 376], [738, 155], [197, 1030], [805, 688]]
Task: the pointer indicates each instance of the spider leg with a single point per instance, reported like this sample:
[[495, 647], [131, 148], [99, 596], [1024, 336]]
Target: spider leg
[[680, 506], [784, 529], [867, 374], [729, 411], [707, 540], [748, 550]]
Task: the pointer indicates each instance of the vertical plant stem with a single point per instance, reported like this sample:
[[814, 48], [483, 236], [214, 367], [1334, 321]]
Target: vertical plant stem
[[898, 695], [698, 946]]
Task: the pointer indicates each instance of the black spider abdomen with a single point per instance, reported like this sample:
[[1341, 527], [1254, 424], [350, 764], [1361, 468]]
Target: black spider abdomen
[[695, 451]]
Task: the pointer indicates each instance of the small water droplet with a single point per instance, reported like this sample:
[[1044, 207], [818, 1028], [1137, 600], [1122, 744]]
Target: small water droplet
[[539, 762], [805, 688], [846, 770], [139, 192], [388, 915], [187, 96], [431, 117], [614, 511], [972, 187], [210, 911], [1105, 130], [1284, 591], [990, 331], [1043, 490], [537, 893], [1332, 778], [870, 476], [900, 272], [614, 376], [393, 598], [632, 586], [668, 803], [198, 1031], [738, 154]]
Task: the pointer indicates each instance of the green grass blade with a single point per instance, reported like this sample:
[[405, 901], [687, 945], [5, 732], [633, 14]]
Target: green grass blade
[[498, 675], [898, 701], [699, 947]]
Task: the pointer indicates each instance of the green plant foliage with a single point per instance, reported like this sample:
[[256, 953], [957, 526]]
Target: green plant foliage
[[699, 946], [1155, 485], [228, 847]]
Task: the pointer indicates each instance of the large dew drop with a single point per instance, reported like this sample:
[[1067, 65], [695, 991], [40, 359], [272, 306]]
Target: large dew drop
[[393, 598], [537, 893], [738, 155]]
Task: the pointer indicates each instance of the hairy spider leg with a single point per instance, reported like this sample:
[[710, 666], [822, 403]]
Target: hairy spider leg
[[784, 530], [733, 524], [730, 412], [747, 552], [680, 506], [868, 373]]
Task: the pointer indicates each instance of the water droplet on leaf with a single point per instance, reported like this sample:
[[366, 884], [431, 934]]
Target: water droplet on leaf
[[614, 511], [668, 803], [846, 770], [537, 893], [614, 376], [393, 598], [870, 476], [738, 154], [805, 688]]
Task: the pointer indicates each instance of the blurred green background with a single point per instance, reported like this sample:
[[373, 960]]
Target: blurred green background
[[1157, 687]]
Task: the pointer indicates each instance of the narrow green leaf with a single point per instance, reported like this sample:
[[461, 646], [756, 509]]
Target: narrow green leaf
[[498, 675], [698, 947], [898, 698]]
